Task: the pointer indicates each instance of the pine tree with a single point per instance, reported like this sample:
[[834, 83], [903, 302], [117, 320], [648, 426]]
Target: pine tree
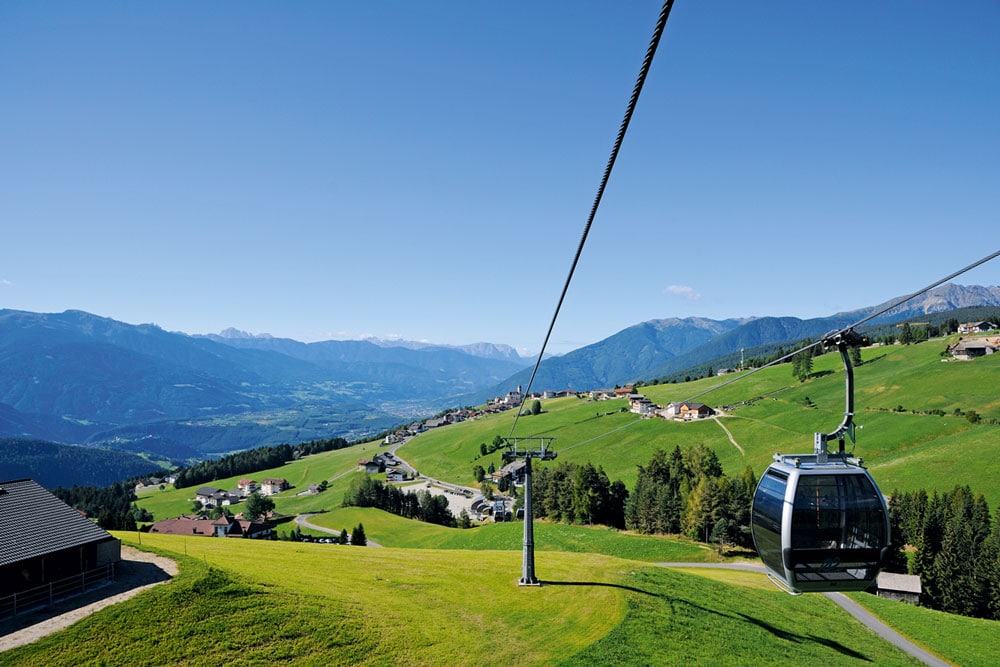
[[358, 537]]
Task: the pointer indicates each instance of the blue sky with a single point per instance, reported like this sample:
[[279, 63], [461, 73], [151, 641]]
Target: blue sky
[[322, 170]]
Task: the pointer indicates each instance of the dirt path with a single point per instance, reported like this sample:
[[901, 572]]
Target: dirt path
[[137, 571], [729, 435]]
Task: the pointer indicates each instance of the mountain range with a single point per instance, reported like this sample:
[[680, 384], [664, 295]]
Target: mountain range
[[79, 378]]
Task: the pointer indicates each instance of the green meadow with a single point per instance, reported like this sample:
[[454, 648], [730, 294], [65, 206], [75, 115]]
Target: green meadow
[[255, 603], [437, 595], [769, 412]]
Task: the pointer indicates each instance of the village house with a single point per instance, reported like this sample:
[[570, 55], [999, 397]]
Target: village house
[[602, 394], [45, 540], [224, 526], [975, 327], [514, 471], [270, 486], [246, 487], [513, 398], [210, 496], [686, 411], [641, 405]]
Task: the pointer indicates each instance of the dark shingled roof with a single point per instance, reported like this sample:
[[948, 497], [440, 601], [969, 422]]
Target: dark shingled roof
[[33, 522]]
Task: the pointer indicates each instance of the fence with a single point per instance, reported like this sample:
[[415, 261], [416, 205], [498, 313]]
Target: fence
[[33, 598]]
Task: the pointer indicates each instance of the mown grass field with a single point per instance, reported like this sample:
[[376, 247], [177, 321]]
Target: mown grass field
[[258, 603], [393, 531]]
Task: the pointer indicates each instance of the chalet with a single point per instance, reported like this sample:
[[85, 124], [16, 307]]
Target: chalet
[[224, 526], [689, 411], [972, 349], [602, 394], [269, 486], [904, 587], [622, 392], [395, 475], [975, 327], [514, 471], [436, 423], [209, 496], [45, 540], [641, 405], [686, 411], [149, 481]]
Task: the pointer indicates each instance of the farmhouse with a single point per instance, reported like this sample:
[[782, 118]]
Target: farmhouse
[[905, 587], [224, 526], [602, 394], [972, 349], [686, 411], [45, 540]]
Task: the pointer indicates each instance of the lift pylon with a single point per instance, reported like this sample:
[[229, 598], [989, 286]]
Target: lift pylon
[[543, 453]]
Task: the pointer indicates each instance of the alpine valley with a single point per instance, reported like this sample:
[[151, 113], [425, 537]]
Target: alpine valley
[[80, 379]]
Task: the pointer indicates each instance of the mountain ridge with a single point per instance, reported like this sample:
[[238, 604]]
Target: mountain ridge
[[74, 377]]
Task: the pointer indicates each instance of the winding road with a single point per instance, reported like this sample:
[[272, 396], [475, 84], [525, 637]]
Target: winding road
[[303, 520]]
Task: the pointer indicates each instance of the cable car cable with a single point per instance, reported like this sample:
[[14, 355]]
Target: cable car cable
[[840, 332], [630, 109]]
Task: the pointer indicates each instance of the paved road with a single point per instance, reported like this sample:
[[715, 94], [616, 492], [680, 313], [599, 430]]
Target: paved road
[[303, 520], [848, 605]]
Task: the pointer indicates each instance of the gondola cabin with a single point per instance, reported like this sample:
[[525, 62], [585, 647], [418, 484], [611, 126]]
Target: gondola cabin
[[820, 523]]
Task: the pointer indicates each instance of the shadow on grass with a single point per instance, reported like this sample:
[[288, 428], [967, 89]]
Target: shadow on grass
[[623, 587], [793, 637]]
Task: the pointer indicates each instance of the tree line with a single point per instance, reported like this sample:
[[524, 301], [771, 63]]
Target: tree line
[[683, 492], [577, 493], [686, 492], [112, 506], [367, 491], [251, 461], [953, 547]]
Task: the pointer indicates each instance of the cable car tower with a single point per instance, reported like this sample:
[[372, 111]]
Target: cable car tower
[[543, 453]]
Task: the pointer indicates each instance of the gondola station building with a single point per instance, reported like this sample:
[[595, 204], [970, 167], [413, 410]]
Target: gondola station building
[[43, 540]]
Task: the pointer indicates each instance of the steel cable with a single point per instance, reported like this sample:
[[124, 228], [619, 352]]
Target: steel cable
[[630, 109]]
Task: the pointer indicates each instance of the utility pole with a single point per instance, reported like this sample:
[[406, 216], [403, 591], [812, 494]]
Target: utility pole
[[543, 453]]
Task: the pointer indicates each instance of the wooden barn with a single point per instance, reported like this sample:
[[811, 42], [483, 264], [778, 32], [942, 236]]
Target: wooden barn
[[44, 540]]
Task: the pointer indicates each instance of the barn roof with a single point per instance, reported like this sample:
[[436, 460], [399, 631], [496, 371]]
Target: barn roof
[[904, 583], [35, 522]]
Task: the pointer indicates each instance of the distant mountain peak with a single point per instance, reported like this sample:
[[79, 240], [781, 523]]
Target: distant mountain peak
[[237, 334]]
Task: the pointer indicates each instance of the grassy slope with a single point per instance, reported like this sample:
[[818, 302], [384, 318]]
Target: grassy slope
[[239, 602], [904, 451], [393, 531]]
